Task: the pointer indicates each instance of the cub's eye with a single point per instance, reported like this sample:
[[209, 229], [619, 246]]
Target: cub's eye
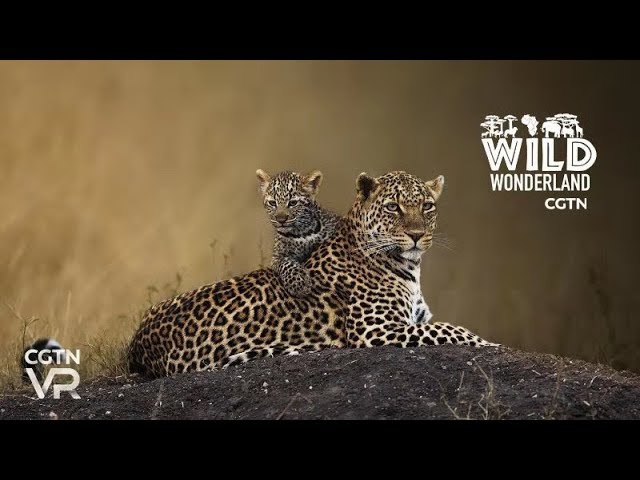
[[428, 206], [271, 203], [293, 203], [392, 207]]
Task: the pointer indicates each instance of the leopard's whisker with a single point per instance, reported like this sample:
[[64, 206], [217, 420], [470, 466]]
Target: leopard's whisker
[[443, 245], [378, 247], [371, 251], [375, 243]]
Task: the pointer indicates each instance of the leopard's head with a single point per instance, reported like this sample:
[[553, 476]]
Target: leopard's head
[[395, 214], [289, 200]]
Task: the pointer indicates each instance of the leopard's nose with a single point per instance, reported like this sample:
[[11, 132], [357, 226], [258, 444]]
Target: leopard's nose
[[282, 217], [415, 235]]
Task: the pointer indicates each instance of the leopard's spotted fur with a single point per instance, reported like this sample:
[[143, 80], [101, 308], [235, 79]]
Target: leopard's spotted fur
[[364, 293]]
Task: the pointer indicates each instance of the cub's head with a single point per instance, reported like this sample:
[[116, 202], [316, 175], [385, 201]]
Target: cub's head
[[289, 199], [396, 214]]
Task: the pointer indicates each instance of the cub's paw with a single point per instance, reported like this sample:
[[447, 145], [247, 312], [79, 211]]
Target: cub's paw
[[298, 283]]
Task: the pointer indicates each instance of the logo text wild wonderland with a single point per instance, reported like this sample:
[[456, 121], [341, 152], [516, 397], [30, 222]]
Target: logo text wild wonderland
[[557, 157]]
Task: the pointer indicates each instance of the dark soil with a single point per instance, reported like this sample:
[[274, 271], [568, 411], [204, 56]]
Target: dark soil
[[444, 382]]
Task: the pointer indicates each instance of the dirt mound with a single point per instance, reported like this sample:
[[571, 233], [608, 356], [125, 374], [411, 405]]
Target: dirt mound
[[444, 382]]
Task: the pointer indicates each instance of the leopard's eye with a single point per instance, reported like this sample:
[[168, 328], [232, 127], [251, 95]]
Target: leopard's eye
[[271, 203], [392, 207], [293, 203], [428, 206]]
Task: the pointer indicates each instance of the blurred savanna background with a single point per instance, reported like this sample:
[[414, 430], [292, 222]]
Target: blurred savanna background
[[124, 181]]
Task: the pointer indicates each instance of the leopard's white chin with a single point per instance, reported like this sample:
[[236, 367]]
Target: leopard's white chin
[[413, 254]]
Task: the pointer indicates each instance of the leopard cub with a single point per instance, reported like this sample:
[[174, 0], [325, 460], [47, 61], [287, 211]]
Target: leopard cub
[[300, 224]]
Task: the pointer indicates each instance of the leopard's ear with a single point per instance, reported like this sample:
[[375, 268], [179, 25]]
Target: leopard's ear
[[311, 182], [264, 180], [436, 186], [366, 186]]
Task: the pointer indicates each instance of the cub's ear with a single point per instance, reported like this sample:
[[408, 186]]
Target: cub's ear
[[366, 186], [436, 186], [264, 180], [311, 183]]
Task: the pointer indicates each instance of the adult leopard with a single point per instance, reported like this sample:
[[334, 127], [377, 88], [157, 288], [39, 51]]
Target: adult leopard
[[366, 285]]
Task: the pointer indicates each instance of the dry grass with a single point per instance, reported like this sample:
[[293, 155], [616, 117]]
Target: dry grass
[[115, 175], [102, 353], [487, 407], [550, 410]]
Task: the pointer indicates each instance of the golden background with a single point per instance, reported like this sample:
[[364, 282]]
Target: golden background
[[117, 175]]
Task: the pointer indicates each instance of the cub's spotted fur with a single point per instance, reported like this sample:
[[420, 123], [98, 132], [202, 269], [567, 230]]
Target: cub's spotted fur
[[300, 224], [366, 279]]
